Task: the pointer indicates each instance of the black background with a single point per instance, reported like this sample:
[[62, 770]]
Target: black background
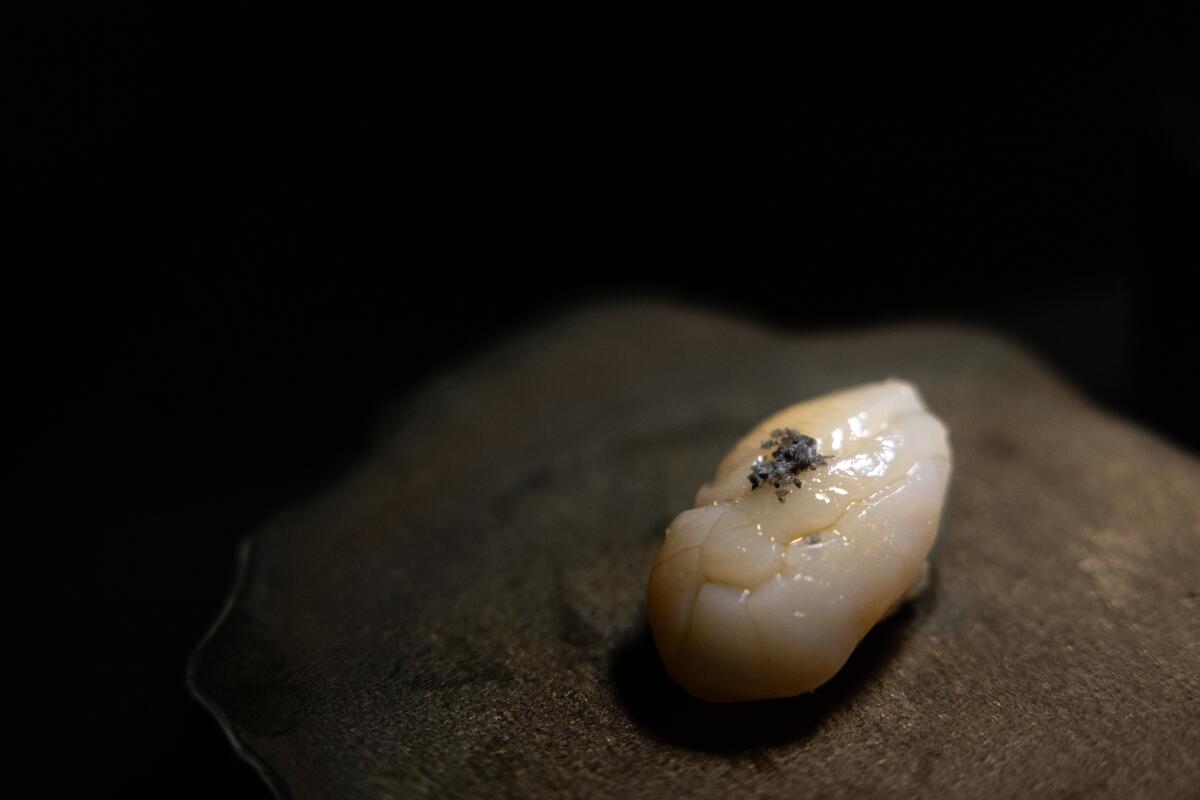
[[237, 235]]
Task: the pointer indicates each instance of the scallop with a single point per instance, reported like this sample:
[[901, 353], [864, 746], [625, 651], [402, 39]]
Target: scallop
[[816, 525]]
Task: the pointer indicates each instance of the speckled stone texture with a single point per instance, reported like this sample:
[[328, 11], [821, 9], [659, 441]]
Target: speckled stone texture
[[462, 616]]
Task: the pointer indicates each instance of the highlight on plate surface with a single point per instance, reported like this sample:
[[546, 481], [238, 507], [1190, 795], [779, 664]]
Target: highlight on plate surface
[[816, 525]]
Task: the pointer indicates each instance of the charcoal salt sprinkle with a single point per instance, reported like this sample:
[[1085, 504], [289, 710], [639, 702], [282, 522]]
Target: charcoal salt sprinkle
[[794, 453]]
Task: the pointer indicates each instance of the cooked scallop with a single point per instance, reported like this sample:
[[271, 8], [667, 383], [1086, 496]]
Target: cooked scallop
[[816, 525]]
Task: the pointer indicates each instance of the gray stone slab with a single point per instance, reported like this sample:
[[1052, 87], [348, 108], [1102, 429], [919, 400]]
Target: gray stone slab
[[462, 615]]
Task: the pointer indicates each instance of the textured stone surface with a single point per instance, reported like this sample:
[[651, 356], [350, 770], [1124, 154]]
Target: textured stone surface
[[463, 615]]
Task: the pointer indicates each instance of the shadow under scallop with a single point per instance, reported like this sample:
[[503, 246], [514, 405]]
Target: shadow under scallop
[[663, 709]]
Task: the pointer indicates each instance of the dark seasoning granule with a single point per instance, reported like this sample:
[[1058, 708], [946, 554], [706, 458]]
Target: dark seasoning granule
[[794, 453]]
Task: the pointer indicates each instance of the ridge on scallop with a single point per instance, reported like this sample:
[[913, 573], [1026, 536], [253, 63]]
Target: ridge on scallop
[[757, 594]]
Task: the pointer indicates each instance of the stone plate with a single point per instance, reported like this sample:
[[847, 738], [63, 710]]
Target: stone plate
[[462, 615]]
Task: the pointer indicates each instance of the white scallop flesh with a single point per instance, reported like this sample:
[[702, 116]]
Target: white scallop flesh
[[752, 598]]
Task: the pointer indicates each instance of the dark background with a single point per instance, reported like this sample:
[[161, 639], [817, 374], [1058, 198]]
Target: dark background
[[239, 234]]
